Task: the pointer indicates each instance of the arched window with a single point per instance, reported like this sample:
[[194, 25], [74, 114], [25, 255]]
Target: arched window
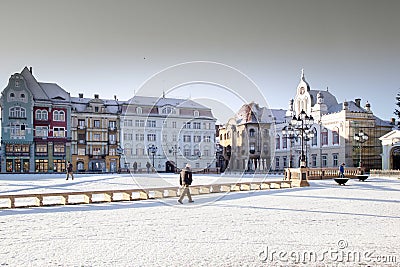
[[196, 113], [324, 137], [278, 142], [38, 115], [252, 133], [335, 136], [22, 95], [58, 115], [139, 110], [45, 115], [314, 138], [12, 95], [17, 112]]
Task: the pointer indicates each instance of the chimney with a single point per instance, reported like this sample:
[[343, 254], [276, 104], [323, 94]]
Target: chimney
[[115, 97], [96, 96], [80, 95], [358, 102], [393, 121], [30, 70]]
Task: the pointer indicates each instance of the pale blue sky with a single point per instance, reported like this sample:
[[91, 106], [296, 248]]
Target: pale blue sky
[[113, 47]]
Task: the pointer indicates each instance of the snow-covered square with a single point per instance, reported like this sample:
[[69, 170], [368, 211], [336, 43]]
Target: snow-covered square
[[321, 225]]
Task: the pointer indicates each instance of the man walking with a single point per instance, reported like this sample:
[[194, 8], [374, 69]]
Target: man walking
[[69, 171], [341, 170], [185, 181]]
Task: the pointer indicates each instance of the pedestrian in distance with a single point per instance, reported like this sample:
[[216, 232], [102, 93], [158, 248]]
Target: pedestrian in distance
[[341, 170], [69, 171], [185, 180]]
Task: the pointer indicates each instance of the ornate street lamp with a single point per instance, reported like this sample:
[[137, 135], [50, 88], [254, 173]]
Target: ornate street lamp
[[174, 150], [302, 124], [153, 150], [289, 133], [361, 138]]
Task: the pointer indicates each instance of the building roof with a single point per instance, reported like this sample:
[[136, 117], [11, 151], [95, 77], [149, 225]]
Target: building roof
[[44, 91], [80, 104], [162, 101]]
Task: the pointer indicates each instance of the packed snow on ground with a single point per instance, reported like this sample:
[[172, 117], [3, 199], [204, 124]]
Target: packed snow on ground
[[321, 225]]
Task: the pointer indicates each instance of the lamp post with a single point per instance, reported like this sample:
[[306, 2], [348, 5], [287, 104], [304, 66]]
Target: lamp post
[[289, 133], [174, 151], [302, 123], [361, 138], [153, 150]]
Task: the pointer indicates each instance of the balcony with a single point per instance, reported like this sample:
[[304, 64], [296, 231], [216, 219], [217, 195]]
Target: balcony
[[81, 142], [112, 142], [81, 127], [17, 154], [112, 129]]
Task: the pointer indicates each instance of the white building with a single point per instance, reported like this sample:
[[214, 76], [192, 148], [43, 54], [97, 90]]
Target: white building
[[391, 150], [332, 139], [167, 132]]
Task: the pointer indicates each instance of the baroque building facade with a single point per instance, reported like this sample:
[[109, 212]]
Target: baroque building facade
[[333, 138], [35, 125], [164, 134], [246, 140], [328, 142], [95, 134], [43, 127]]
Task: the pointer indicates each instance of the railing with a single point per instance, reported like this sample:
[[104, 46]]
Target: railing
[[385, 173], [322, 173], [87, 197]]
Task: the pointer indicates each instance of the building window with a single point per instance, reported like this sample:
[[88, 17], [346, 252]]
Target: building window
[[174, 138], [151, 137], [112, 138], [139, 123], [168, 110], [17, 131], [314, 138], [277, 142], [187, 138], [324, 137], [58, 115], [96, 137], [41, 131], [186, 152], [196, 113], [59, 149], [139, 151], [284, 162], [335, 160], [59, 132], [41, 165], [139, 137], [96, 109], [151, 124], [314, 160], [197, 138], [128, 123], [196, 125], [187, 125], [324, 159], [277, 163], [128, 136], [41, 149], [112, 125], [81, 124], [81, 151], [252, 148], [335, 136], [17, 112], [139, 110], [284, 142], [97, 151], [174, 124], [207, 139], [96, 124], [251, 133], [41, 115]]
